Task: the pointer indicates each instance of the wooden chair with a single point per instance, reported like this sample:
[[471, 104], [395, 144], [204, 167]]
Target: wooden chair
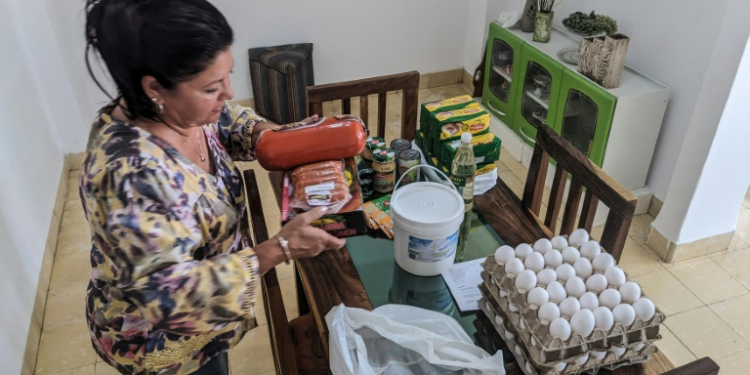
[[407, 83], [296, 346], [584, 175]]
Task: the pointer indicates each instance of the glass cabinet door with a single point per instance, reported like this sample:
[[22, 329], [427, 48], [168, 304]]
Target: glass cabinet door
[[585, 115], [536, 94], [579, 121], [501, 69]]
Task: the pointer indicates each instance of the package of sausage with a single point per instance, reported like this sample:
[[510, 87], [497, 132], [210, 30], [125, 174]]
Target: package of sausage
[[322, 184], [316, 184], [285, 147]]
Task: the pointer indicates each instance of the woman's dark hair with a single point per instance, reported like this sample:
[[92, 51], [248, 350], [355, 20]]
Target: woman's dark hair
[[171, 40]]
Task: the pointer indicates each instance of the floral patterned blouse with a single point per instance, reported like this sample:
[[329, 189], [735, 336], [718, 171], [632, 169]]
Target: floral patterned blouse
[[174, 280]]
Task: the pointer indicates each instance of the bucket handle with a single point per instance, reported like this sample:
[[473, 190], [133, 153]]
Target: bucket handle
[[395, 188]]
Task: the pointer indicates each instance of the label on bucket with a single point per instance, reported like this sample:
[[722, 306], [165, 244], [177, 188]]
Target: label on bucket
[[431, 251]]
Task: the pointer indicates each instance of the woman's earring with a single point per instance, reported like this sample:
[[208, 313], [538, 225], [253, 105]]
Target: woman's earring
[[161, 106]]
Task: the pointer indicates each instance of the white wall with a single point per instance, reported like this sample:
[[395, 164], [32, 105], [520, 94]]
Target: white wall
[[35, 108], [711, 177], [352, 39]]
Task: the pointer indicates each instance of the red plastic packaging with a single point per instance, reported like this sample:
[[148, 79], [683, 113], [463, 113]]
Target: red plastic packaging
[[330, 138]]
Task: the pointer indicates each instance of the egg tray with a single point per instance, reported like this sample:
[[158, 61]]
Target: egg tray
[[552, 348], [529, 366]]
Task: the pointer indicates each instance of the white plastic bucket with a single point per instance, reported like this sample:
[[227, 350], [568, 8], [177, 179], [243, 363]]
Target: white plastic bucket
[[426, 219]]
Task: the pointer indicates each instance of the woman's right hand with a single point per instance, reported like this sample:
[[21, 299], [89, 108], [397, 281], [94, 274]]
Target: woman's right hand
[[305, 241]]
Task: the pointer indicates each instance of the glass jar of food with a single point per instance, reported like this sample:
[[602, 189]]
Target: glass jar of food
[[384, 164], [406, 160], [372, 144]]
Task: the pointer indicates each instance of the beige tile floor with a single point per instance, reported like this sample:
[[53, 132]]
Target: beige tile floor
[[706, 299]]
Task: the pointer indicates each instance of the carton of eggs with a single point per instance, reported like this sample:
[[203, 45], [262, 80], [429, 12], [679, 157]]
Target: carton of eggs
[[569, 287]]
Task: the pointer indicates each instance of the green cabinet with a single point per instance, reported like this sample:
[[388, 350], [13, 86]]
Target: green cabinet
[[501, 78], [537, 102]]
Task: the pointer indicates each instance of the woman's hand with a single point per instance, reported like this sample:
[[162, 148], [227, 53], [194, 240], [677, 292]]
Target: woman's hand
[[305, 241]]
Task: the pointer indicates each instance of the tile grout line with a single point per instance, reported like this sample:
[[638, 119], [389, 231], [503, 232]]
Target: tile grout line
[[728, 325], [730, 275]]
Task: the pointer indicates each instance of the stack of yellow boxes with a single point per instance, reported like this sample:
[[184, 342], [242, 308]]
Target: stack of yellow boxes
[[441, 125]]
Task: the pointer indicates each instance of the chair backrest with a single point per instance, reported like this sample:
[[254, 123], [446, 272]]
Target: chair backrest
[[407, 83], [584, 174], [278, 324]]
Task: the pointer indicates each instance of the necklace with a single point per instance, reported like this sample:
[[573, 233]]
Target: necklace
[[200, 145]]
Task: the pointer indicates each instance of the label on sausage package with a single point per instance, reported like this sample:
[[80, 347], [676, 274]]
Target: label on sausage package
[[431, 251], [319, 195]]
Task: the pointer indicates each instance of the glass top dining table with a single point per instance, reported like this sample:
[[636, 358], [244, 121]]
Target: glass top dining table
[[385, 282]]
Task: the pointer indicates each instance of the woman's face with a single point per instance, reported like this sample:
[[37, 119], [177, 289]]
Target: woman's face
[[199, 101]]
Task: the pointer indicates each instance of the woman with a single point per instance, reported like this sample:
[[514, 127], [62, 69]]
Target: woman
[[174, 281]]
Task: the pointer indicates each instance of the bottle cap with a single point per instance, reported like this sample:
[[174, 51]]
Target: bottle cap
[[466, 138]]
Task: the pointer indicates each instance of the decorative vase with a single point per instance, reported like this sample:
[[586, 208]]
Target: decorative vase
[[543, 26], [527, 18], [603, 58]]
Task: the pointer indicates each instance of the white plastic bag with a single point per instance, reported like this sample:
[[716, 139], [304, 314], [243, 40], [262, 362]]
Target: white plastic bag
[[510, 20], [403, 340]]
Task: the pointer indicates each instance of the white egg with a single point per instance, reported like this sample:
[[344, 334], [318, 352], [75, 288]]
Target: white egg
[[570, 255], [546, 276], [639, 347], [583, 322], [560, 366], [499, 320], [503, 293], [548, 312], [565, 272], [514, 267], [575, 287], [526, 280], [537, 297], [560, 328], [553, 258], [534, 261], [630, 292], [599, 355], [513, 308], [580, 361], [569, 306], [596, 283], [556, 291], [618, 350], [503, 254], [602, 262], [644, 309], [519, 350], [523, 250], [589, 301], [590, 249], [603, 318], [521, 324], [542, 246], [624, 314], [528, 368], [578, 237], [559, 242], [583, 268], [609, 298], [509, 335], [615, 276]]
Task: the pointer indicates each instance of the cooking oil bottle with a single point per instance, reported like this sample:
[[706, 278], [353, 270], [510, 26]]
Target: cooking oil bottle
[[463, 171]]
